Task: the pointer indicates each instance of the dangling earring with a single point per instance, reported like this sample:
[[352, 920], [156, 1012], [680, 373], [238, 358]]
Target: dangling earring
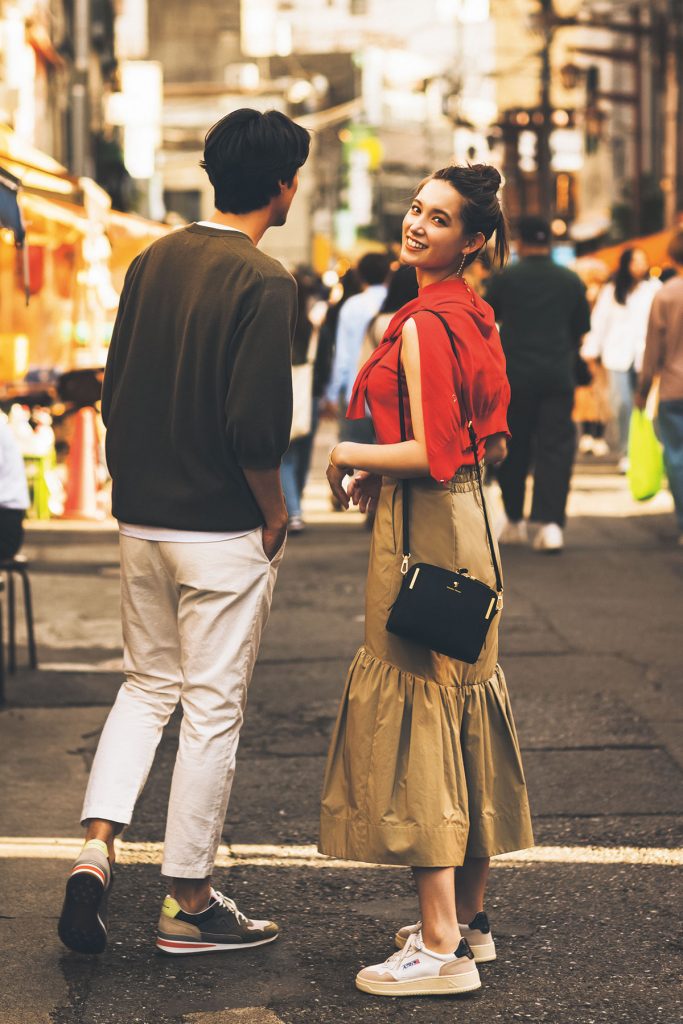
[[460, 269]]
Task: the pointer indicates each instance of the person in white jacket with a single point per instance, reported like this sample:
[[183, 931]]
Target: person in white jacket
[[617, 335]]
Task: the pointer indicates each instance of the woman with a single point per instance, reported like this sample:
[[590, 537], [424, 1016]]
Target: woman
[[617, 335], [424, 766]]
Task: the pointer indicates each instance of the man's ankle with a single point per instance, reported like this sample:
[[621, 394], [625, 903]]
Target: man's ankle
[[193, 899]]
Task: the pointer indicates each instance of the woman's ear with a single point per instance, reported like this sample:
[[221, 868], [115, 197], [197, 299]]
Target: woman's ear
[[475, 243]]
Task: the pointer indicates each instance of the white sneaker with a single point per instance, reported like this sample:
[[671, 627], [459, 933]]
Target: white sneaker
[[549, 539], [623, 465], [600, 447], [418, 971], [477, 933], [587, 444], [513, 533]]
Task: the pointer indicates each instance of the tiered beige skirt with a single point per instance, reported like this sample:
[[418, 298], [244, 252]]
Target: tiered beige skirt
[[424, 766]]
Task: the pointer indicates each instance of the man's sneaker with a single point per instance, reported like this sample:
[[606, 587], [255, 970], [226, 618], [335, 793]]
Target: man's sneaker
[[510, 532], [218, 929], [586, 444], [600, 447], [549, 539], [418, 971], [83, 921], [477, 933]]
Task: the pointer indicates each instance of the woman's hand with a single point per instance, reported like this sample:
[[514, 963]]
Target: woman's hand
[[364, 489], [337, 469], [496, 449]]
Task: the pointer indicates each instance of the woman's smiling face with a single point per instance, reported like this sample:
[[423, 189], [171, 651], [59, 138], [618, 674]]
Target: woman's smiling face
[[433, 235]]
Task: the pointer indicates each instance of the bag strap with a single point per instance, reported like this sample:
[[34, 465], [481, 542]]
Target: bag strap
[[474, 442]]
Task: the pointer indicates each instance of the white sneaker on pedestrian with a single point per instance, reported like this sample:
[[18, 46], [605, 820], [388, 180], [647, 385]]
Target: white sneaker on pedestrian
[[600, 447], [296, 524], [623, 465], [418, 971], [510, 532], [549, 539], [477, 933], [587, 444]]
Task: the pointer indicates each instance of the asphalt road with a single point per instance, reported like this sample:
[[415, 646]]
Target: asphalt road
[[587, 930]]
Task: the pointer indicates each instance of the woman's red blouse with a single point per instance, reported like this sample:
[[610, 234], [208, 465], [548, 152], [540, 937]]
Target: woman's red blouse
[[483, 380]]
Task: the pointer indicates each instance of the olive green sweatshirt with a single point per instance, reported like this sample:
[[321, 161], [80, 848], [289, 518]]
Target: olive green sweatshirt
[[198, 383]]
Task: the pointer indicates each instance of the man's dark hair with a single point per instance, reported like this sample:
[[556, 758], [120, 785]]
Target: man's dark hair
[[247, 154], [534, 231], [373, 268]]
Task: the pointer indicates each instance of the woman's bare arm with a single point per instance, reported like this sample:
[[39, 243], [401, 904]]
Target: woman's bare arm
[[407, 458]]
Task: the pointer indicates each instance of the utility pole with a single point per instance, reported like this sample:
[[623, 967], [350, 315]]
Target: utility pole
[[638, 122], [80, 114], [673, 113], [545, 184]]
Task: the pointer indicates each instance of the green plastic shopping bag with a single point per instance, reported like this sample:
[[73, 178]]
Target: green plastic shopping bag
[[646, 462]]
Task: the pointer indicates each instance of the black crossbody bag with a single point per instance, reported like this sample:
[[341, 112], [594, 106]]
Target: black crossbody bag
[[447, 611]]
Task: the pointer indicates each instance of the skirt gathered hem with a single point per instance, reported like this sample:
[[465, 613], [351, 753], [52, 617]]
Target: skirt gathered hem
[[421, 773]]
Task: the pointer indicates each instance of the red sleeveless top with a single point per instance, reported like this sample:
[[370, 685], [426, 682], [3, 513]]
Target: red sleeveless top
[[483, 380]]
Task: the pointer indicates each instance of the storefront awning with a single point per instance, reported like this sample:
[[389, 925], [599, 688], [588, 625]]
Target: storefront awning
[[655, 246]]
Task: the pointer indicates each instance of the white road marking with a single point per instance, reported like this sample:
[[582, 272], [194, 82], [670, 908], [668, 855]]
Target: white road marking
[[46, 847]]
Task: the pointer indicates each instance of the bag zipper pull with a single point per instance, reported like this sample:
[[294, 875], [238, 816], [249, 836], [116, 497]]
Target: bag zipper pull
[[404, 565]]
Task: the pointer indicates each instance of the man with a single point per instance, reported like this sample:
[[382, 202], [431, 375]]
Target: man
[[197, 400], [354, 318], [664, 358], [543, 314]]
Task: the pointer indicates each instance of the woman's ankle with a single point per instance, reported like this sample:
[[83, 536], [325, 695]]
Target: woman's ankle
[[441, 940], [467, 914]]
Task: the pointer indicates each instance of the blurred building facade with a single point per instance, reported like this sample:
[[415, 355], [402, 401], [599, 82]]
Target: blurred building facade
[[598, 85]]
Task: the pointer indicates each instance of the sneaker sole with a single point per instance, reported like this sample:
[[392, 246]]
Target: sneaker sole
[[450, 986], [80, 927], [176, 947], [482, 954]]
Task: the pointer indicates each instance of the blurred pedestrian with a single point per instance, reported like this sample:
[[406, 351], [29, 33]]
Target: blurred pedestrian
[[402, 288], [543, 314], [424, 767], [197, 401], [347, 286], [592, 408], [297, 459], [14, 496], [617, 335], [663, 358], [354, 317]]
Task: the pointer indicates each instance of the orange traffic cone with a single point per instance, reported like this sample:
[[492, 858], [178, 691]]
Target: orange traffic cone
[[81, 485]]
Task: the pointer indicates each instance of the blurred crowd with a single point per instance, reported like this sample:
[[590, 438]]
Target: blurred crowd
[[588, 409]]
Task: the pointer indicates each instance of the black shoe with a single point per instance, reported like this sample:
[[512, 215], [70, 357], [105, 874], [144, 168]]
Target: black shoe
[[83, 921]]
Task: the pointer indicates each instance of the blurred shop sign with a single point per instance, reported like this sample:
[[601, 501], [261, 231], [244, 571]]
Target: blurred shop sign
[[566, 148], [138, 109], [265, 32], [130, 30]]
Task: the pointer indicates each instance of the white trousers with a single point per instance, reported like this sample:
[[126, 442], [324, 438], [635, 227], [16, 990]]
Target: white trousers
[[192, 614]]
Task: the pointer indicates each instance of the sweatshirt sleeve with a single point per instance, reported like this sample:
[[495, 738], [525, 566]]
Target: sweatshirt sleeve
[[109, 382], [258, 407]]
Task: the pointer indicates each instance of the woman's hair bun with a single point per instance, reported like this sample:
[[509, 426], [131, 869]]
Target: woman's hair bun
[[489, 177]]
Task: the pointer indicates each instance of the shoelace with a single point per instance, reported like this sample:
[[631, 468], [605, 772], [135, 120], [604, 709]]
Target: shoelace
[[230, 905], [413, 945]]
